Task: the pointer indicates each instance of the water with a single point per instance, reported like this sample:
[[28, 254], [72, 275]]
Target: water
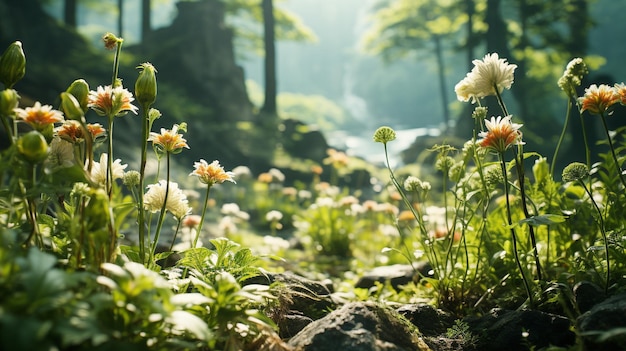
[[362, 145]]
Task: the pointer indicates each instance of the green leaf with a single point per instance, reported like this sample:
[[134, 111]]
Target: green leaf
[[547, 219]]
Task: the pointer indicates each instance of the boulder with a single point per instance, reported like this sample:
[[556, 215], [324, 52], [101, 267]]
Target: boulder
[[603, 327], [360, 326], [396, 275]]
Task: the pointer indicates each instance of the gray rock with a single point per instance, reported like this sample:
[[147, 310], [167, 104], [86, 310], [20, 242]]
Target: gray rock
[[397, 275], [429, 320], [603, 328], [520, 329], [360, 326]]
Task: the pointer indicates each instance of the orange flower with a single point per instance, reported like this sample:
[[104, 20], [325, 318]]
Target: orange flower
[[72, 132], [39, 116], [501, 133], [336, 158], [598, 99], [406, 216], [169, 140], [109, 101], [211, 173], [620, 89]]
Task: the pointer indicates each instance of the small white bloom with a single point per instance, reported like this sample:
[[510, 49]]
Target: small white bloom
[[273, 216], [99, 169], [177, 202]]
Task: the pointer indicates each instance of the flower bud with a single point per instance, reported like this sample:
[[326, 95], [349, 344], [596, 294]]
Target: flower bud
[[110, 41], [80, 90], [71, 107], [575, 171], [146, 85], [33, 146], [9, 100], [384, 135], [12, 64], [541, 170]]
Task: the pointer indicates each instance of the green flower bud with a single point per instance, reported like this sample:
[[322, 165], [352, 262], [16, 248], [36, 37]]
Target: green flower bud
[[541, 170], [96, 213], [575, 171], [70, 107], [131, 178], [146, 85], [384, 135], [80, 90], [33, 146], [9, 99], [111, 41], [12, 64]]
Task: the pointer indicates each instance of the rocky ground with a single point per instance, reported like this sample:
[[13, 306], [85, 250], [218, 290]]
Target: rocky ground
[[310, 317]]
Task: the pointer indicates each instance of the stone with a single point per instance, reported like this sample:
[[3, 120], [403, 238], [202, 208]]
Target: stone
[[429, 320], [520, 329], [397, 275], [603, 327], [360, 326], [587, 295]]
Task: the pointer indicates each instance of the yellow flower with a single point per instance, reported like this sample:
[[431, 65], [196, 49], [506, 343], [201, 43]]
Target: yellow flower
[[501, 133], [620, 89], [598, 99], [211, 173], [488, 74], [39, 116], [109, 101], [169, 140]]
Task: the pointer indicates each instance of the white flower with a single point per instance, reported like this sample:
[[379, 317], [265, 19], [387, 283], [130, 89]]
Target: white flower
[[61, 154], [488, 74], [177, 202], [99, 169], [273, 216]]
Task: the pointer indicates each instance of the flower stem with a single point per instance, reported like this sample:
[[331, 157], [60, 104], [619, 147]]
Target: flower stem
[[513, 235], [603, 232], [608, 137], [157, 234], [561, 137], [142, 174], [206, 201]]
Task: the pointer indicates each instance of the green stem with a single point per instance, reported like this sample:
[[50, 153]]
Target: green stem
[[561, 137], [109, 172], [513, 235], [180, 220], [199, 229], [608, 137], [603, 232], [163, 209], [141, 211]]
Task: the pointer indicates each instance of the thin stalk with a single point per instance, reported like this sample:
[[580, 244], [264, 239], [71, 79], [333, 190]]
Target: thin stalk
[[204, 207], [608, 137], [513, 235], [603, 232], [562, 136], [163, 209], [141, 211], [175, 234]]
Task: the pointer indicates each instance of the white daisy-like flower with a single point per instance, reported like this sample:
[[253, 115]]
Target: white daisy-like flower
[[488, 74], [99, 169], [61, 154], [177, 202], [274, 216]]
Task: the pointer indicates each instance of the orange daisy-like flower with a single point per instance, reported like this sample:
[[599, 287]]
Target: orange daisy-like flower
[[336, 158], [211, 173], [109, 101], [620, 89], [501, 133], [599, 98], [71, 131], [39, 116], [169, 140]]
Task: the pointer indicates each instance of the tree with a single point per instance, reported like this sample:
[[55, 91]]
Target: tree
[[146, 19], [269, 105], [415, 28], [69, 12]]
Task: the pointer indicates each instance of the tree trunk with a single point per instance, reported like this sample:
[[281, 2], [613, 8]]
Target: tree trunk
[[269, 105], [442, 80], [120, 18], [69, 13], [146, 19]]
